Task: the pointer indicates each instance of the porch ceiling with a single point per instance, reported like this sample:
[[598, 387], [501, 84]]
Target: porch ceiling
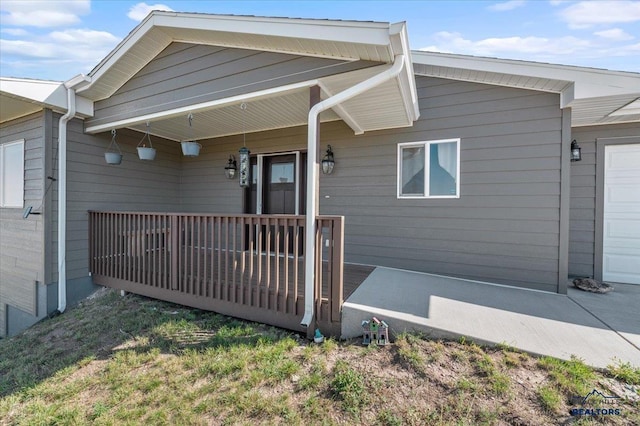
[[380, 108], [271, 112]]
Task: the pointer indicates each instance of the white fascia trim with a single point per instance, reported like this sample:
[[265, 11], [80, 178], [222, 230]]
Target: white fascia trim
[[376, 33], [567, 95], [342, 112], [406, 79], [589, 82], [120, 50], [175, 112]]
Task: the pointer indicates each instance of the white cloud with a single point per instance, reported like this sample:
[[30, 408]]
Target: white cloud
[[140, 11], [455, 42], [43, 14], [542, 49], [18, 32], [82, 48], [508, 5], [586, 14], [615, 34]]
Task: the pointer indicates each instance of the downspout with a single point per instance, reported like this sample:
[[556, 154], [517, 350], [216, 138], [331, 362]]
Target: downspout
[[71, 87], [312, 171]]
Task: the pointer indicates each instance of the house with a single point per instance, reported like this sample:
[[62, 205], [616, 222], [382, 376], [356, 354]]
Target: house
[[448, 164]]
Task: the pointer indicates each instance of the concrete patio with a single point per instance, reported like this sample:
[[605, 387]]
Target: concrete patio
[[598, 328]]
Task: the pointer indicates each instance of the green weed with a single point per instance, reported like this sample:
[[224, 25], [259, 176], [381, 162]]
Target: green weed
[[572, 376], [387, 418], [626, 372], [549, 398], [348, 386], [410, 354]]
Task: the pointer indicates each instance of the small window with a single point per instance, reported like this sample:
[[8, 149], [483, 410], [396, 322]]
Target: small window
[[429, 169], [12, 174]]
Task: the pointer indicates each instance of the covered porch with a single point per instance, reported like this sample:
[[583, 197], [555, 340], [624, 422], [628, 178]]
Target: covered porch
[[221, 81]]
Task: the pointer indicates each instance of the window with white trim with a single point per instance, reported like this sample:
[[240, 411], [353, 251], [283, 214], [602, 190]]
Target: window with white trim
[[12, 174], [429, 169]]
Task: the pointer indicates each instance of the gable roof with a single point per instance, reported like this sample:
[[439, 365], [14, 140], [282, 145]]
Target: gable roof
[[596, 96], [375, 42], [345, 40]]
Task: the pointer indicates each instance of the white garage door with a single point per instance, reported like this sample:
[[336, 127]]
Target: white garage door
[[621, 227]]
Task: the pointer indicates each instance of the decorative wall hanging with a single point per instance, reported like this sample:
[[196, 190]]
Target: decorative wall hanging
[[245, 176]]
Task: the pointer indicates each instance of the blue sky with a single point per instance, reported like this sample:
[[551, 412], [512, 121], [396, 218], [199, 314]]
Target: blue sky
[[56, 40]]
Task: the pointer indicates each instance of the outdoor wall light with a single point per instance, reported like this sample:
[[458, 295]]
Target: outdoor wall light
[[244, 167], [328, 162], [576, 151], [230, 169]]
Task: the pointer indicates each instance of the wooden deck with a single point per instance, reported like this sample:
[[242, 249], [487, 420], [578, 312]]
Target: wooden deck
[[247, 266]]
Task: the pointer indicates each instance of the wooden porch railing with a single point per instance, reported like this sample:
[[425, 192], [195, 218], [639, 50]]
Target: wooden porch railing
[[247, 266]]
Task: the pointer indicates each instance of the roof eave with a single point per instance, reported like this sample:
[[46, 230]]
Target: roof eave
[[589, 82], [44, 93]]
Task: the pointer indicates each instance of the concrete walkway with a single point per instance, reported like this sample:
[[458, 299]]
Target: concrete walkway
[[597, 328]]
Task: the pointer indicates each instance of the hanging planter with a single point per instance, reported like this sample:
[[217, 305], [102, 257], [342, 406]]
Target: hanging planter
[[190, 148], [112, 157], [146, 152]]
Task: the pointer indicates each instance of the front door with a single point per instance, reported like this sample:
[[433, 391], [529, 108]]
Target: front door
[[282, 188], [277, 187]]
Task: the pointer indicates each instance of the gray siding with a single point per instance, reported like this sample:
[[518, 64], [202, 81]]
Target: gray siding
[[184, 74], [22, 241], [505, 226], [92, 184], [583, 195]]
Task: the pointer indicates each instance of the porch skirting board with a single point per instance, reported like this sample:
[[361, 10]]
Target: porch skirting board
[[248, 312]]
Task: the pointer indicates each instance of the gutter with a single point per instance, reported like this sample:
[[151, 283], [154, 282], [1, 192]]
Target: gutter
[[71, 86], [312, 171]]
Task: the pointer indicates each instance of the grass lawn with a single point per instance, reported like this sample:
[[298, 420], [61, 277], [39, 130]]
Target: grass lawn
[[131, 360]]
